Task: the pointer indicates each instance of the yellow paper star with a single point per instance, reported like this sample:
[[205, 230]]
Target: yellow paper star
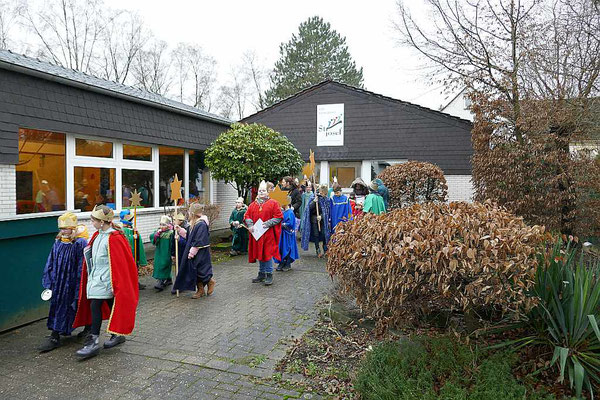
[[135, 199], [175, 189], [312, 160], [279, 195], [307, 171]]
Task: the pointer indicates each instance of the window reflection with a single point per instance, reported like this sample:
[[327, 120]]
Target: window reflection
[[40, 173], [137, 153], [94, 186], [93, 148], [171, 162], [199, 182], [140, 180]]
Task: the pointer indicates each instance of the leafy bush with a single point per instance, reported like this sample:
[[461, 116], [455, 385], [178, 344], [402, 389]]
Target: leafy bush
[[437, 368], [435, 257], [565, 319], [414, 182]]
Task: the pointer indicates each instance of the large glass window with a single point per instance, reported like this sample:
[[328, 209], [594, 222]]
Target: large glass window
[[171, 162], [40, 171], [94, 186], [137, 153], [199, 183], [140, 180], [93, 148]]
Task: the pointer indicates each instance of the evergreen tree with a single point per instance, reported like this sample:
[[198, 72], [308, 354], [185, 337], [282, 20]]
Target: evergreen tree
[[316, 54]]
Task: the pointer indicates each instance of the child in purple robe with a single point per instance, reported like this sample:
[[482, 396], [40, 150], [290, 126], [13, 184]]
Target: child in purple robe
[[62, 276]]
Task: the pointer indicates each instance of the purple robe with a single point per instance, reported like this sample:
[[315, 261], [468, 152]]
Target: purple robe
[[62, 275]]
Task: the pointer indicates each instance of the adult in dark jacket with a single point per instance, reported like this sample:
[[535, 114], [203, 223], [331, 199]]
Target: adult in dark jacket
[[294, 194]]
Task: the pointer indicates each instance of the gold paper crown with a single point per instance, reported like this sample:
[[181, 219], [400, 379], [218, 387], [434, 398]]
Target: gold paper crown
[[180, 217], [103, 213], [67, 220], [165, 219]]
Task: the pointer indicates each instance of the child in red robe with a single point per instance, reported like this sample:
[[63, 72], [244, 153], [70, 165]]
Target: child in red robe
[[267, 246], [109, 284]]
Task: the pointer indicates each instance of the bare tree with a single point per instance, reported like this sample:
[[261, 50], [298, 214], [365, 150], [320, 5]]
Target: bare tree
[[257, 76], [151, 70], [8, 19], [123, 39], [67, 31], [196, 75], [233, 97]]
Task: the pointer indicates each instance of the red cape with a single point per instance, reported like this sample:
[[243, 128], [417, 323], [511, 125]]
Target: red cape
[[267, 246], [124, 280]]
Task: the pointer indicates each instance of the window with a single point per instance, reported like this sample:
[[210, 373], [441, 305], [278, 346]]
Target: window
[[140, 180], [137, 153], [199, 183], [40, 171], [171, 162], [94, 186], [93, 148]]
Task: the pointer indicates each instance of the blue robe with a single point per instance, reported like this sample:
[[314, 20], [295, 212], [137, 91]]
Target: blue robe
[[340, 210], [62, 275], [181, 243], [324, 211], [198, 268], [287, 240]]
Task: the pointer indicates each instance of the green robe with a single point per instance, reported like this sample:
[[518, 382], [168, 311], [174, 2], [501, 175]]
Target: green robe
[[162, 254], [240, 235], [374, 204], [141, 256]]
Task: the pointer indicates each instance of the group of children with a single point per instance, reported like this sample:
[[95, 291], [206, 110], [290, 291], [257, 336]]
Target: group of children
[[316, 217], [88, 282]]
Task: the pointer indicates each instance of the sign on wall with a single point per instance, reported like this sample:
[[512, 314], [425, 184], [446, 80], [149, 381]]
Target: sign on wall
[[330, 125]]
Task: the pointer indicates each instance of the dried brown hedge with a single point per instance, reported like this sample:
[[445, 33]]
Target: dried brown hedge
[[436, 257], [414, 182]]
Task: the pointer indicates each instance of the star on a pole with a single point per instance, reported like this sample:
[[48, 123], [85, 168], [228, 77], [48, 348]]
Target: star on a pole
[[135, 199], [175, 189], [312, 160], [279, 195]]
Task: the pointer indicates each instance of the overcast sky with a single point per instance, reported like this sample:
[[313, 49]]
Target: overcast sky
[[226, 29]]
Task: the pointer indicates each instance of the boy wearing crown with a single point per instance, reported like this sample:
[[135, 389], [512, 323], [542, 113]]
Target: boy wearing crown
[[267, 246], [132, 235], [162, 239], [61, 278], [109, 284]]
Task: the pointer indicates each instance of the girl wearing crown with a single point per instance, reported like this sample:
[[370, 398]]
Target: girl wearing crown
[[61, 278], [162, 238], [109, 284]]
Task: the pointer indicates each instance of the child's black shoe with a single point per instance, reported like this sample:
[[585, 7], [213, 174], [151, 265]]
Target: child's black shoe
[[50, 343], [113, 341], [91, 347]]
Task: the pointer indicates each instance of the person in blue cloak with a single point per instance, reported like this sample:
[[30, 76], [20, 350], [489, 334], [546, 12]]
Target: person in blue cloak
[[383, 191], [62, 275], [340, 207], [288, 248], [316, 223], [180, 226], [195, 270]]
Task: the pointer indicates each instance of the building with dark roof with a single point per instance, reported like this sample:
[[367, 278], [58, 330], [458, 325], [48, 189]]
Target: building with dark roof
[[354, 132]]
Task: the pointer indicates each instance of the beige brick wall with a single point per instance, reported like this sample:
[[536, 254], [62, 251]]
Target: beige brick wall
[[8, 190], [226, 196], [460, 188]]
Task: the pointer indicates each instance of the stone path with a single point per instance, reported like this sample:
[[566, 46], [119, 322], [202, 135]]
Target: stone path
[[182, 348]]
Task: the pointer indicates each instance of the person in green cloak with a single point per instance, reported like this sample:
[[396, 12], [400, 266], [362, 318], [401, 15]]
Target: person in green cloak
[[126, 218], [374, 202], [162, 239], [239, 244]]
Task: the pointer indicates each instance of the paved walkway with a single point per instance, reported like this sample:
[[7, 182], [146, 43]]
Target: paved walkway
[[181, 348]]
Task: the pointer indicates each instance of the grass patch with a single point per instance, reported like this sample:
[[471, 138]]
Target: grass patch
[[251, 361], [439, 368]]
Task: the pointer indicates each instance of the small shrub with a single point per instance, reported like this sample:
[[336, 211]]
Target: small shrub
[[414, 182], [437, 368], [435, 257]]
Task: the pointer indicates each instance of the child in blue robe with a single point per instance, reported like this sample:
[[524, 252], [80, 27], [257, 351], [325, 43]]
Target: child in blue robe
[[62, 276], [340, 207], [288, 248]]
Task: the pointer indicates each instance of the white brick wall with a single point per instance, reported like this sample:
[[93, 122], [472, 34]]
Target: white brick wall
[[8, 190], [226, 196], [460, 188]]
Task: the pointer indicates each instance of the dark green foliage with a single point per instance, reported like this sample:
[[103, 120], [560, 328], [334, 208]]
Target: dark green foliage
[[316, 54], [247, 154], [438, 368]]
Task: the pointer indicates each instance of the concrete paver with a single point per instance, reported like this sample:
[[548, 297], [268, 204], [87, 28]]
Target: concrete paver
[[181, 348]]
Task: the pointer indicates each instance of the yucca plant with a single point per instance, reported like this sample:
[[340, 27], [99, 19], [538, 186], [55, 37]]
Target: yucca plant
[[568, 294]]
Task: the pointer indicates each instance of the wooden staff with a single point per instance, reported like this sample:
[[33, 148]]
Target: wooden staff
[[135, 253], [175, 196], [316, 201]]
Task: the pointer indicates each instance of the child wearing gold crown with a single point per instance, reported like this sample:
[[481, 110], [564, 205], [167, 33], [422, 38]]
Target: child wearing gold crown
[[109, 284], [61, 278]]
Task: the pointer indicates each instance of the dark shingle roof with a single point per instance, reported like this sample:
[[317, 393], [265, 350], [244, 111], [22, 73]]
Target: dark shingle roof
[[43, 69]]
